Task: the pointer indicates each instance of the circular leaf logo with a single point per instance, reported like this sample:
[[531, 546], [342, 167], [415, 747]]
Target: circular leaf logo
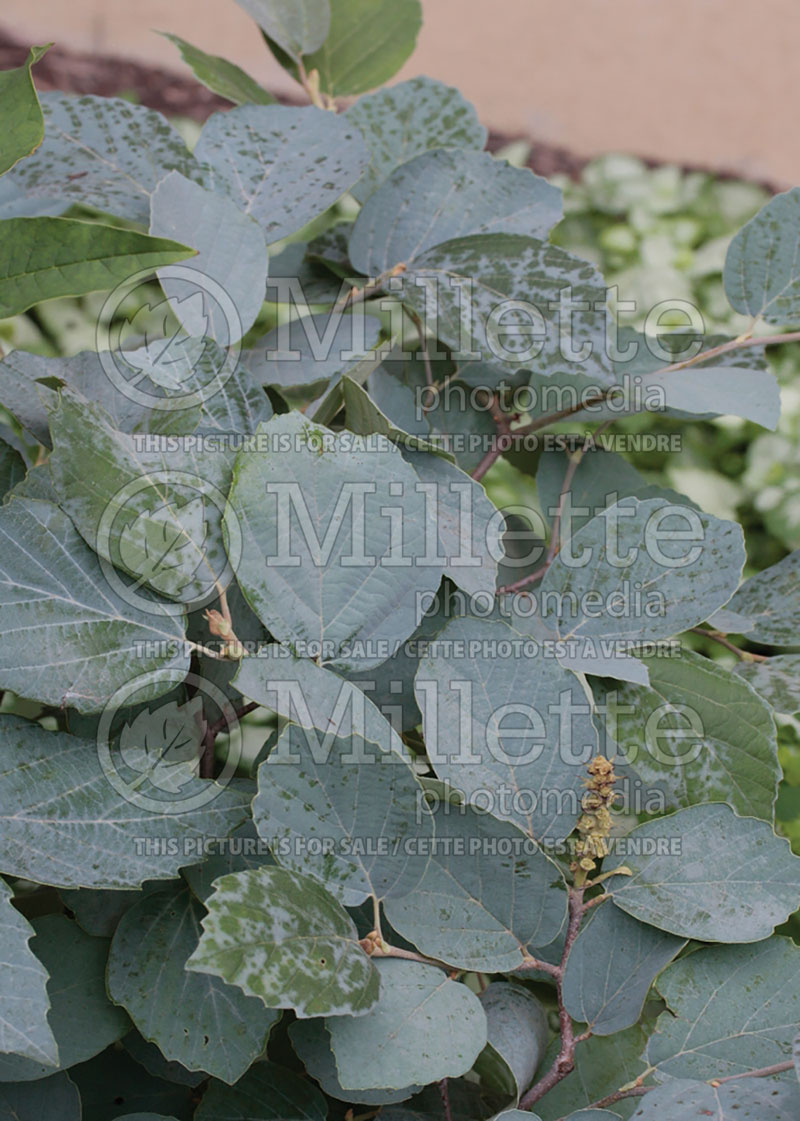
[[173, 349], [150, 751], [168, 529]]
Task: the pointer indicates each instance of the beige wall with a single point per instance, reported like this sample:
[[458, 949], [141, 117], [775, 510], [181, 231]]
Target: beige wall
[[700, 81]]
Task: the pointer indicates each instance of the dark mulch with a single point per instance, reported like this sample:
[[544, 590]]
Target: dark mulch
[[109, 75]]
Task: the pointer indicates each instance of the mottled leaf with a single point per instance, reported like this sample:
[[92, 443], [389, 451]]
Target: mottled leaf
[[351, 822], [699, 733], [63, 823], [24, 390], [746, 1099], [103, 152], [69, 638], [148, 507], [762, 273], [777, 680], [408, 119], [642, 569], [497, 298], [769, 604], [283, 938], [280, 164]]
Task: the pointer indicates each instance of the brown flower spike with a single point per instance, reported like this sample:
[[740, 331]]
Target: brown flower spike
[[594, 824]]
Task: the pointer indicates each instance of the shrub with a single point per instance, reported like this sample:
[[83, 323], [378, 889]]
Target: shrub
[[329, 789]]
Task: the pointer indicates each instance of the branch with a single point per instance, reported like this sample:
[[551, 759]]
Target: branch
[[370, 288], [310, 83], [524, 582], [565, 1061], [213, 730], [423, 342], [502, 442], [703, 356], [374, 946], [717, 636], [444, 1090], [763, 1072], [542, 966], [637, 1091], [617, 1096], [572, 467]]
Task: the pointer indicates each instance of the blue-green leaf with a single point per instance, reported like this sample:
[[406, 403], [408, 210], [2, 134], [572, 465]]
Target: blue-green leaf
[[231, 259], [24, 1002], [705, 873], [103, 152], [424, 1027], [321, 572], [745, 1099], [63, 823], [408, 119], [82, 1018], [51, 1099], [732, 1009], [297, 26], [762, 273], [70, 638], [446, 194], [266, 1093], [351, 822], [611, 967], [281, 165], [196, 1019], [472, 920], [490, 701], [768, 604]]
